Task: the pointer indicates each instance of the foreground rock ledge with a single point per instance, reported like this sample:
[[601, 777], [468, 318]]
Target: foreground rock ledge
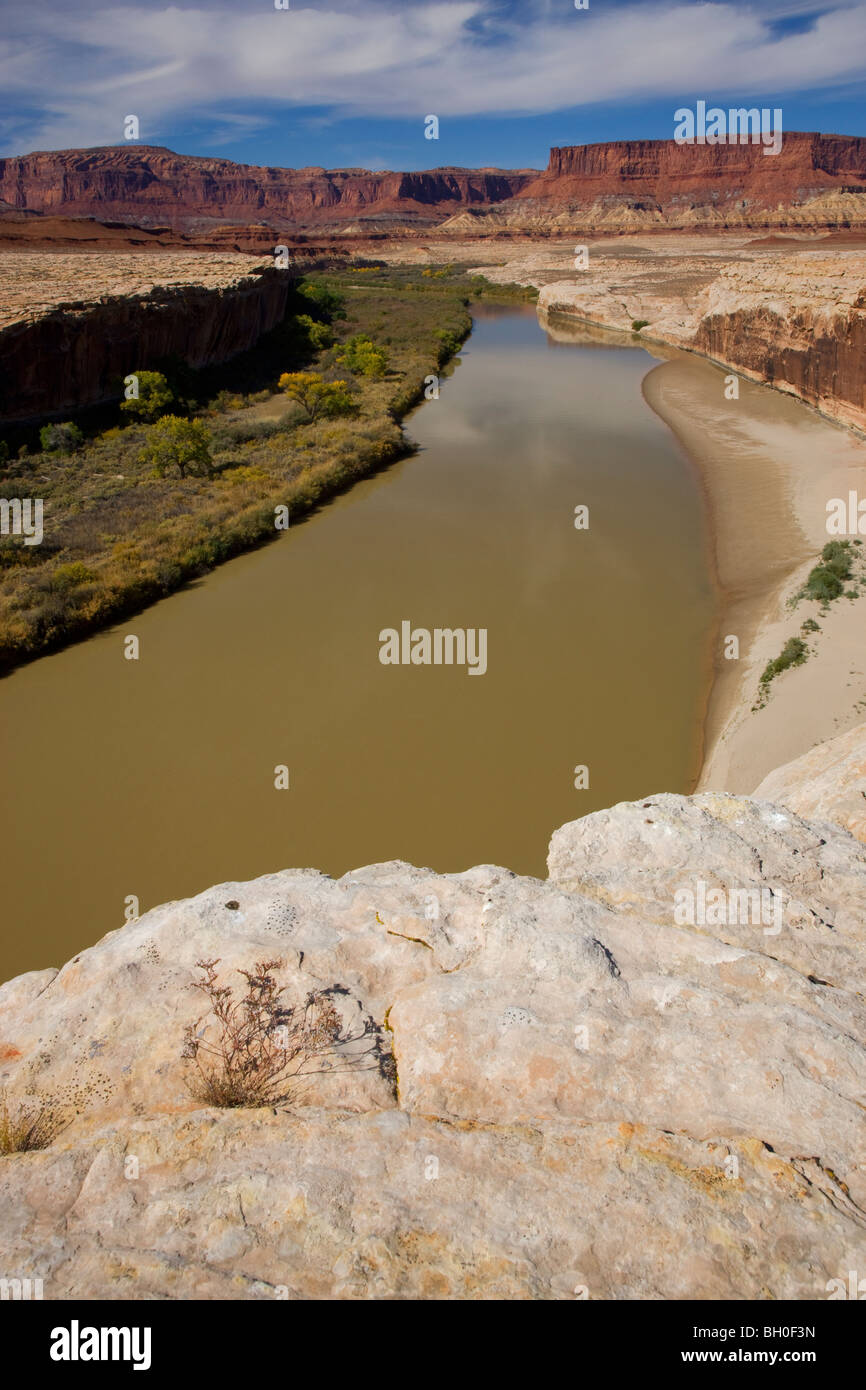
[[590, 1100]]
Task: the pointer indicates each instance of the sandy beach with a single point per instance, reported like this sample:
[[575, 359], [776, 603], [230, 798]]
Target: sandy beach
[[768, 464]]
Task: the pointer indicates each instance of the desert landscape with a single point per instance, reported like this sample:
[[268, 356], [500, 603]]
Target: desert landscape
[[275, 444]]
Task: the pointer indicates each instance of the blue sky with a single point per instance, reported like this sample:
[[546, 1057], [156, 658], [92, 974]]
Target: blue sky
[[349, 82]]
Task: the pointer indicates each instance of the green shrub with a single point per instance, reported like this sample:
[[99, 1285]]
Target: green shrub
[[153, 399], [836, 557], [450, 343], [826, 580], [361, 356], [823, 584], [638, 324], [62, 438], [329, 303], [224, 401], [320, 335], [794, 653], [67, 577], [240, 433]]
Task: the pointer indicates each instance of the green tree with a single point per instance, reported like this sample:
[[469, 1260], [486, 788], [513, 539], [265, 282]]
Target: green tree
[[174, 442], [362, 356], [62, 438], [320, 335], [318, 397], [328, 302], [153, 399]]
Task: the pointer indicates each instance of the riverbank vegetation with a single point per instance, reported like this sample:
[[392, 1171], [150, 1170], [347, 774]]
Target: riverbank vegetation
[[794, 653], [841, 563], [146, 494], [827, 580]]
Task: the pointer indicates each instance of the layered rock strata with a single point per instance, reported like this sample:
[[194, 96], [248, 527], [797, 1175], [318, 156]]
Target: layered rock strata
[[150, 184], [814, 181], [75, 325], [793, 319]]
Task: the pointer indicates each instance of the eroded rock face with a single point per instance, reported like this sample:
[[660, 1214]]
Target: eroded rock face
[[622, 185], [827, 783], [796, 321], [803, 330], [330, 1204], [150, 184], [731, 178], [132, 313], [591, 1093]]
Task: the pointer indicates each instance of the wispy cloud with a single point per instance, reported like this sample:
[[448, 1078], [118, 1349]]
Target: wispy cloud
[[71, 74]]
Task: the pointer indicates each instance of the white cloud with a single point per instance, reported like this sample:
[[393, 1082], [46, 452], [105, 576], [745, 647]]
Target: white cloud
[[82, 70]]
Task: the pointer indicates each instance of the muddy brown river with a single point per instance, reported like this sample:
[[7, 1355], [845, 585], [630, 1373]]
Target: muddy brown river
[[156, 778]]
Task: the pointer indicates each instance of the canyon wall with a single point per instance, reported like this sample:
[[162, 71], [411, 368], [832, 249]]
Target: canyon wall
[[62, 357], [816, 180], [807, 164], [150, 184], [823, 361], [544, 1090], [793, 319]]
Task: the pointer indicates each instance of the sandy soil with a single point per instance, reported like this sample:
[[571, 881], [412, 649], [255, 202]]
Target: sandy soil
[[769, 465]]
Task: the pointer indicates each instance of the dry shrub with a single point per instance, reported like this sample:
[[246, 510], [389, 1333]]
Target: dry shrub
[[31, 1127], [255, 1050]]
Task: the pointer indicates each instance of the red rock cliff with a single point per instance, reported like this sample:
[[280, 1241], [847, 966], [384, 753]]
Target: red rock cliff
[[814, 180], [78, 354], [822, 160], [806, 165], [150, 184]]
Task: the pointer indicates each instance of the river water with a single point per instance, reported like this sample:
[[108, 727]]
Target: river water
[[155, 778]]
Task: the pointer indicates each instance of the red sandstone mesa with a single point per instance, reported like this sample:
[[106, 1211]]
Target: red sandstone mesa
[[151, 185]]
